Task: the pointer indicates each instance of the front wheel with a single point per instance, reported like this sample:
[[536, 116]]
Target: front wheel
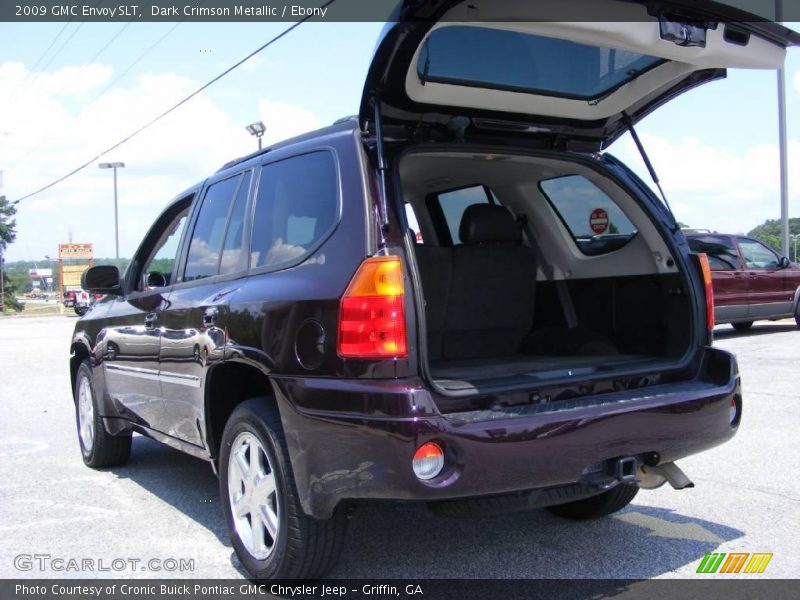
[[272, 536], [98, 447], [742, 325], [601, 505]]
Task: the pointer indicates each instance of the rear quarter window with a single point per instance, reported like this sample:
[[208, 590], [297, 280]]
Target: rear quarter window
[[596, 223], [722, 254], [297, 206]]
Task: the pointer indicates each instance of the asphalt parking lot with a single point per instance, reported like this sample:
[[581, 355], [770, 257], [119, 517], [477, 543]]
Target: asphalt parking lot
[[164, 505]]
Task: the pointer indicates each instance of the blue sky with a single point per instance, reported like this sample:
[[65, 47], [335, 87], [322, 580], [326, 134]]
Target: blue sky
[[715, 148]]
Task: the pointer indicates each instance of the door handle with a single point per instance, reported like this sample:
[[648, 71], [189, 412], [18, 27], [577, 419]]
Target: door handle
[[150, 320], [210, 316]]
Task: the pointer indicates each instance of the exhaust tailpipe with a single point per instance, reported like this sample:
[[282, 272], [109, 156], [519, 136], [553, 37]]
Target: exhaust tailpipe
[[651, 478]]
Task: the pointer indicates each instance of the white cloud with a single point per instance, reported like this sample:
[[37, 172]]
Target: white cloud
[[711, 186], [53, 131], [285, 120]]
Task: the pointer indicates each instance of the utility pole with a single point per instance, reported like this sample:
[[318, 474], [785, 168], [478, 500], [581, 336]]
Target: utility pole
[[115, 166], [2, 281], [782, 147]]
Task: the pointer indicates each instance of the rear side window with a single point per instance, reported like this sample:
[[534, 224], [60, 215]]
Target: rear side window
[[204, 249], [722, 254], [232, 248], [595, 221], [454, 203], [296, 207]]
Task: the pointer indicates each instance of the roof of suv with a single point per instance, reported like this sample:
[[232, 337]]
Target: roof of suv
[[345, 124]]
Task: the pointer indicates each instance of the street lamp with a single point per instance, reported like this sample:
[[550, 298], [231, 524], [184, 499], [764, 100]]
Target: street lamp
[[115, 166], [257, 129]]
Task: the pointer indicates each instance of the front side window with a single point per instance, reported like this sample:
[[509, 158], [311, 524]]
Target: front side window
[[206, 244], [597, 224], [296, 207], [722, 255], [757, 255], [157, 267]]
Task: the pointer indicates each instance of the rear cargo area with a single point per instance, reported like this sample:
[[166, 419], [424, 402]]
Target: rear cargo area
[[513, 290]]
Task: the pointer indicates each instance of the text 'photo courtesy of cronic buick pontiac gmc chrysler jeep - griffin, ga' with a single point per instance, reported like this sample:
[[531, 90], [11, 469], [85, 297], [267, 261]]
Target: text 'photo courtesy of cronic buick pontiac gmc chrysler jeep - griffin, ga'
[[455, 297]]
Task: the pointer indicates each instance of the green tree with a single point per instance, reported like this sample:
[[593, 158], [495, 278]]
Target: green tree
[[769, 232], [8, 233]]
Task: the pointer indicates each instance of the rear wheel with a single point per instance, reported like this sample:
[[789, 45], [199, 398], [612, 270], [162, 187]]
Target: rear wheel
[[601, 505], [797, 315], [271, 534], [98, 447], [743, 325]]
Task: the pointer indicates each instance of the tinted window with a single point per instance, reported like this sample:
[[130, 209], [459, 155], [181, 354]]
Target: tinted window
[[593, 219], [510, 60], [209, 229], [757, 255], [456, 202], [232, 248], [158, 270], [722, 255], [297, 205]]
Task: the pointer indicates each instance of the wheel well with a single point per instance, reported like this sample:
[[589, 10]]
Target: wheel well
[[229, 385], [79, 354]]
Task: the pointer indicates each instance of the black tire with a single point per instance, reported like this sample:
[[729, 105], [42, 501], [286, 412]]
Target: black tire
[[742, 325], [304, 547], [797, 315], [601, 505], [80, 310], [103, 449]]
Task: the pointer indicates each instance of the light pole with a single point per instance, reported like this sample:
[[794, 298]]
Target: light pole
[[115, 166], [257, 129]]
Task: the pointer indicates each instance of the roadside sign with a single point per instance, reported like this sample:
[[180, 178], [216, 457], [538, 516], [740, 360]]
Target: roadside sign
[[598, 221], [75, 251]]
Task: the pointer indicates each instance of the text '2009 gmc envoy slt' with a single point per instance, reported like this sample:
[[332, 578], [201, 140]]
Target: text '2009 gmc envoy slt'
[[456, 297]]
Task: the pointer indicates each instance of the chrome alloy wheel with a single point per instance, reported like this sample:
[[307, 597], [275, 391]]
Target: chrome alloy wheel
[[86, 414], [253, 495]]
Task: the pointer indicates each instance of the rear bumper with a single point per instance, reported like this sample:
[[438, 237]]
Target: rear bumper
[[353, 440]]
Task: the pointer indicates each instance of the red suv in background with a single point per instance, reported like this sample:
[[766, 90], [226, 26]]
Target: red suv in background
[[751, 281]]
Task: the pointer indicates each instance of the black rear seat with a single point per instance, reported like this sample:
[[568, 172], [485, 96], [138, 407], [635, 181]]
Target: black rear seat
[[479, 295]]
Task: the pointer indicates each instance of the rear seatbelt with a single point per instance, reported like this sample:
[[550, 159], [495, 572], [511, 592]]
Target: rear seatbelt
[[570, 317]]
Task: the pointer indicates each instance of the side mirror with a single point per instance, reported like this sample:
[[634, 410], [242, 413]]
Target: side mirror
[[103, 279], [784, 263]]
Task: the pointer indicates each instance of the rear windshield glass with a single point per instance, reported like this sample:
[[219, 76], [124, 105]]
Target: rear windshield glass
[[593, 219], [509, 60]]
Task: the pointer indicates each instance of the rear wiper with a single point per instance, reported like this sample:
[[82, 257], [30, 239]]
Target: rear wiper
[[626, 117]]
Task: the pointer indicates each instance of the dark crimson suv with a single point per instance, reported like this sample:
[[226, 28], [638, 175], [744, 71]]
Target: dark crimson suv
[[751, 281], [454, 298]]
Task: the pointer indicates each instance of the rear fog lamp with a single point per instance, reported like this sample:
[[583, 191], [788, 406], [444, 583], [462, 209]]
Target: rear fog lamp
[[428, 461]]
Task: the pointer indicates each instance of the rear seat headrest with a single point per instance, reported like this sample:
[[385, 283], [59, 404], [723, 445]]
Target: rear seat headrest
[[488, 223]]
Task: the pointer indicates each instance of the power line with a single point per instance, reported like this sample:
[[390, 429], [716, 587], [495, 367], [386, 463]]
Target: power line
[[134, 63], [175, 106], [55, 54], [35, 147]]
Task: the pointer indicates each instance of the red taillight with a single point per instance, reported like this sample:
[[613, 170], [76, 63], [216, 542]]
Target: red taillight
[[372, 319], [706, 270]]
